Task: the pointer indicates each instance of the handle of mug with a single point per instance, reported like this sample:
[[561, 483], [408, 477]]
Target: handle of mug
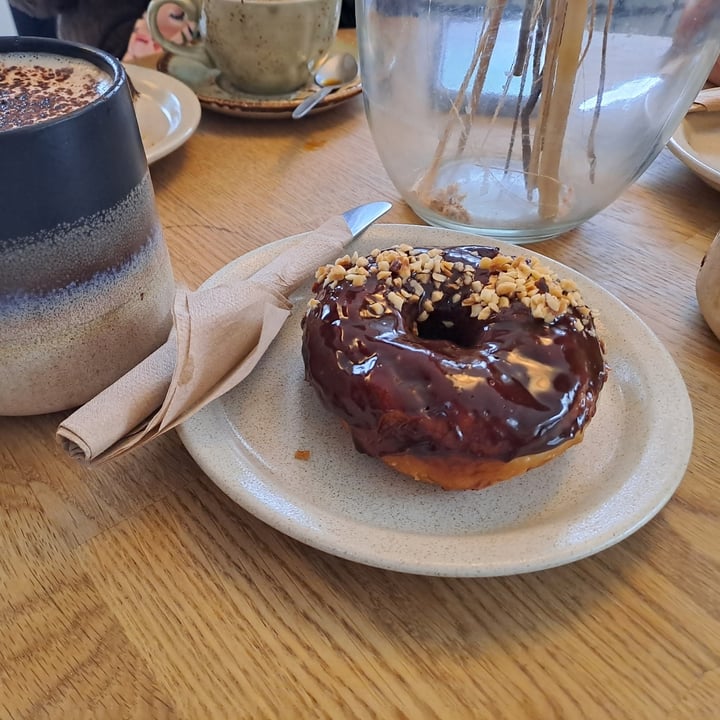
[[192, 11]]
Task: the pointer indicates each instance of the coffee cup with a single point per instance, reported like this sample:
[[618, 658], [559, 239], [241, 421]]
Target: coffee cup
[[262, 47], [86, 284]]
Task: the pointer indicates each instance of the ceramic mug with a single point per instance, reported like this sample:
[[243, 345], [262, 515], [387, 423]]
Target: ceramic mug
[[86, 285], [263, 47]]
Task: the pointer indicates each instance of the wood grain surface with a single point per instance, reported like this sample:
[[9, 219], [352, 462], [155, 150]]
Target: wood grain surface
[[138, 590]]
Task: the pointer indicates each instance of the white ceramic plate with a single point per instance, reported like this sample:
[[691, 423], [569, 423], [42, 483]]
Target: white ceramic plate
[[697, 143], [631, 461], [168, 112], [219, 98]]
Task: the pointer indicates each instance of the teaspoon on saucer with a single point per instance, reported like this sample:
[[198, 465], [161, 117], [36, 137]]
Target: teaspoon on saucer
[[332, 74]]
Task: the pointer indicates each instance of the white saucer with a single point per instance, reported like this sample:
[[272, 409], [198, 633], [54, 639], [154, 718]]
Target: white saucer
[[696, 142], [167, 111], [222, 99]]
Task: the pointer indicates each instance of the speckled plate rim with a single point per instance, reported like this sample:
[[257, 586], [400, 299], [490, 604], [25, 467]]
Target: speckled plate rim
[[681, 147], [175, 100], [652, 444], [214, 98]]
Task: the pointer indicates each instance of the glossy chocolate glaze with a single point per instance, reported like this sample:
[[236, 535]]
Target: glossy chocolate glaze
[[504, 387]]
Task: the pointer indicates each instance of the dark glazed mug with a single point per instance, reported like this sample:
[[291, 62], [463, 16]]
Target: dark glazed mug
[[86, 285]]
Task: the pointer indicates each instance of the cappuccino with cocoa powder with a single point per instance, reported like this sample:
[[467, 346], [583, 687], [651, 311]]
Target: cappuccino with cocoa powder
[[37, 87], [86, 284]]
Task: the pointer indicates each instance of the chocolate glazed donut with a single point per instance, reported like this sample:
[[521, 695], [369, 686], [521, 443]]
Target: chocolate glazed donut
[[461, 367]]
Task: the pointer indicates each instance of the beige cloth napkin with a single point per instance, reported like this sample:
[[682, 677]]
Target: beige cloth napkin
[[218, 336]]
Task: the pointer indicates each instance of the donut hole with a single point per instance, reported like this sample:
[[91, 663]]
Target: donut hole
[[456, 328]]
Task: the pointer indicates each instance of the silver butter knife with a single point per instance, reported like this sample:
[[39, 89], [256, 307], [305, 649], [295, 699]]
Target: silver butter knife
[[361, 217], [315, 251]]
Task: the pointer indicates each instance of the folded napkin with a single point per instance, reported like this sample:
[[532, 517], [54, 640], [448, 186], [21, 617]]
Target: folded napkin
[[707, 100], [219, 334]]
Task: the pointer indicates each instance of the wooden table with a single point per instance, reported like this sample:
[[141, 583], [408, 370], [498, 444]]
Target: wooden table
[[137, 589]]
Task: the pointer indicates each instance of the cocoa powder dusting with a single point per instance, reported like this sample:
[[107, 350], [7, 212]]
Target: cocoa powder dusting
[[31, 92]]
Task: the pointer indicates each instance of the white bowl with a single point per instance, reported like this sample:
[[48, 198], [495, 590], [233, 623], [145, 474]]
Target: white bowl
[[696, 142]]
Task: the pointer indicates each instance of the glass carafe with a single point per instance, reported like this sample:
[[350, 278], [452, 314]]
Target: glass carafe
[[521, 119]]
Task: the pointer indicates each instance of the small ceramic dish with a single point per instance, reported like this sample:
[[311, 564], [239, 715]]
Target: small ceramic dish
[[168, 111], [696, 143]]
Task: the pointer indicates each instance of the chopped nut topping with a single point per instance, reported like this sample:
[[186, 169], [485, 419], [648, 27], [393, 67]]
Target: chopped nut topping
[[356, 279], [426, 279], [396, 300], [336, 272]]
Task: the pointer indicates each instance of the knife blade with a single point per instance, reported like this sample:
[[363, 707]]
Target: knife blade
[[361, 217], [318, 247]]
